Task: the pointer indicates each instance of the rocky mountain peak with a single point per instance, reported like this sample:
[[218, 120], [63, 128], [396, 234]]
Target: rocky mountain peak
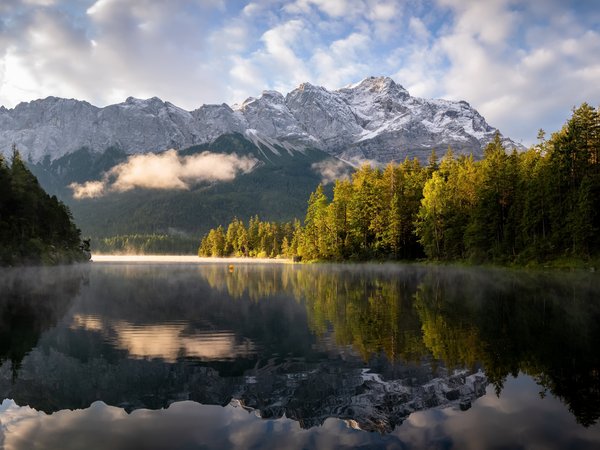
[[376, 86], [274, 96], [266, 98], [306, 86], [375, 119], [152, 103]]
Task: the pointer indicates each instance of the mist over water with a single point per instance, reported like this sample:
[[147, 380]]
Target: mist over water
[[182, 259], [166, 354]]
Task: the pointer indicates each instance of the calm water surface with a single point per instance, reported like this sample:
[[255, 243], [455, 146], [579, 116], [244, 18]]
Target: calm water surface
[[183, 356]]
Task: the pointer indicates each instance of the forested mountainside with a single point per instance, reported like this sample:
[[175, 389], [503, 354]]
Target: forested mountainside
[[34, 227], [173, 220]]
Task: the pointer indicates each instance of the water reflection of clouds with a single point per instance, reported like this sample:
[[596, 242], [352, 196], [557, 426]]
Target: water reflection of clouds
[[87, 322], [518, 416], [182, 425], [168, 341]]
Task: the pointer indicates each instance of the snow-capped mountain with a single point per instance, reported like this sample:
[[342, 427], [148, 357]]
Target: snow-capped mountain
[[375, 119]]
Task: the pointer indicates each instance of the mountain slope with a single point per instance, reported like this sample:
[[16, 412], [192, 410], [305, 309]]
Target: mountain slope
[[375, 119], [69, 141], [277, 189]]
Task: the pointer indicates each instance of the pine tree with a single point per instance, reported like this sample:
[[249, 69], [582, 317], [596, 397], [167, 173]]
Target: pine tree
[[34, 227], [315, 225]]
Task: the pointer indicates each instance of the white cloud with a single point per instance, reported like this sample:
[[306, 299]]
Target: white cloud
[[418, 29], [89, 189], [166, 170], [522, 64], [116, 48], [277, 63], [491, 21], [345, 59], [518, 71], [333, 8], [421, 62], [295, 50], [376, 10], [41, 2], [279, 47], [331, 170], [383, 11]]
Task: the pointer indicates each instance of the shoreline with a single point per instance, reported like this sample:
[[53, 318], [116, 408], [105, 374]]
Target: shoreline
[[558, 265], [103, 258]]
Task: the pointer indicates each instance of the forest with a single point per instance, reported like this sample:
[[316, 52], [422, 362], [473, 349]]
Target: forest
[[509, 207], [35, 228], [146, 244]]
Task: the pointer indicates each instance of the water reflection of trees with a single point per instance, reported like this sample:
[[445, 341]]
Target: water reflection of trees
[[544, 325], [28, 309], [373, 314]]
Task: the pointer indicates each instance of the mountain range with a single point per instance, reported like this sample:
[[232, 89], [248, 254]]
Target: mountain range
[[93, 158], [375, 119]]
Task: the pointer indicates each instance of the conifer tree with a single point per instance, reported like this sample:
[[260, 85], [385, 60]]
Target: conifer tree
[[34, 227]]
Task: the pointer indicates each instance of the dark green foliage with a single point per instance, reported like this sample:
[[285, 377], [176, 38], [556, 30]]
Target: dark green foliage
[[371, 215], [490, 232], [29, 309], [34, 227], [147, 244], [510, 323], [77, 167]]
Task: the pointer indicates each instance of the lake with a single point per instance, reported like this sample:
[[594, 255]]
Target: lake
[[184, 355]]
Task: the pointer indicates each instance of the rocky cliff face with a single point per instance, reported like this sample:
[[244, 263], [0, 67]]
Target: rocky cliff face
[[374, 119]]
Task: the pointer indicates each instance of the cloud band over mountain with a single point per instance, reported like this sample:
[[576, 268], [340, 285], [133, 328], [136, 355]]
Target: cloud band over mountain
[[166, 170]]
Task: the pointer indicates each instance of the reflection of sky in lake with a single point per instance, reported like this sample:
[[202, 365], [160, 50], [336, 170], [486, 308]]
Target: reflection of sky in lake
[[518, 418]]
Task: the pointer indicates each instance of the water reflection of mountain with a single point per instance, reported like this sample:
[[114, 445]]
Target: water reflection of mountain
[[306, 392], [299, 341], [545, 325]]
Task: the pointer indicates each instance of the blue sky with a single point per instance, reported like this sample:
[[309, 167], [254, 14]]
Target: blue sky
[[522, 64]]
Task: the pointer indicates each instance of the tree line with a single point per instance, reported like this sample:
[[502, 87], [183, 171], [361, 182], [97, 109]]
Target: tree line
[[146, 244], [513, 206], [34, 227], [260, 239]]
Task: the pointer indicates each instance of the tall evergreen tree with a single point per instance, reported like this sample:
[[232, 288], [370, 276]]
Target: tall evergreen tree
[[34, 227]]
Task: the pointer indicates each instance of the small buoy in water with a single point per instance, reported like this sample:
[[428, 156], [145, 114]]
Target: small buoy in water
[[230, 268]]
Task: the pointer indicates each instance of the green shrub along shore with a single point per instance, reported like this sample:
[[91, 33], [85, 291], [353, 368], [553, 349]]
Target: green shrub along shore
[[540, 207], [34, 227]]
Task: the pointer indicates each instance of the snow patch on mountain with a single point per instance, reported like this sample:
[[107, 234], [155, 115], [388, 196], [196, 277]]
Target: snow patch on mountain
[[375, 119]]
